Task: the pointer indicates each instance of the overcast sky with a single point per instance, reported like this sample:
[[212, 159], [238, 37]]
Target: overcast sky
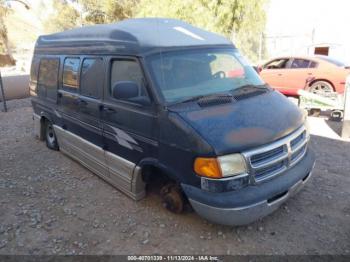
[[330, 18]]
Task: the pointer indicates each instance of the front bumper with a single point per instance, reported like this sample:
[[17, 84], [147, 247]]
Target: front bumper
[[253, 202]]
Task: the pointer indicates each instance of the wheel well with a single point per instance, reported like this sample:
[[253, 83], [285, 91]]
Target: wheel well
[[324, 80], [154, 175], [158, 181]]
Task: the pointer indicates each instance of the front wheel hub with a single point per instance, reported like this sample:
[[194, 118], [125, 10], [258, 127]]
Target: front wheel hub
[[172, 198]]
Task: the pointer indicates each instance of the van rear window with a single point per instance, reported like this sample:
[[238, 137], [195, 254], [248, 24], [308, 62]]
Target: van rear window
[[34, 70], [48, 77], [70, 74]]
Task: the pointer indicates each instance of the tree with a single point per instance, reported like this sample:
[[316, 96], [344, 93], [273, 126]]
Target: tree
[[65, 17], [3, 30], [240, 20], [107, 11], [5, 54]]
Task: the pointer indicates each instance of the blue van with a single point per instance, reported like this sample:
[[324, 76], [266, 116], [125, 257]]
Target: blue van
[[159, 102]]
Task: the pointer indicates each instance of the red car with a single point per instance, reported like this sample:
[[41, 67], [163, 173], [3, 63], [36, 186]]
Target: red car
[[289, 74]]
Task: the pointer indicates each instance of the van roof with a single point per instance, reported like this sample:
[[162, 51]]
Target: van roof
[[131, 36]]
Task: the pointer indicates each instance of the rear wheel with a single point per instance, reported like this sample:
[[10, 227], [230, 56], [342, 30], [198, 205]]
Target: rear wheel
[[322, 88], [50, 136]]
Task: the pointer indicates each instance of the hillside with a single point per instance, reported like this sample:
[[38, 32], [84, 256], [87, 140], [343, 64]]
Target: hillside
[[23, 28]]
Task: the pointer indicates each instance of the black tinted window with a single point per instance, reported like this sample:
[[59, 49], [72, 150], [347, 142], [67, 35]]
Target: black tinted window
[[128, 70], [313, 64], [48, 77], [300, 63], [70, 73], [92, 75], [34, 69], [277, 64]]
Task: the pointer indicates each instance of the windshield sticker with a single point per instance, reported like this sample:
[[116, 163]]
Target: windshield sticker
[[187, 32]]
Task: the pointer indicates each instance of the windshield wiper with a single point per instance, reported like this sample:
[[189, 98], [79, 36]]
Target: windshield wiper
[[263, 86], [196, 98]]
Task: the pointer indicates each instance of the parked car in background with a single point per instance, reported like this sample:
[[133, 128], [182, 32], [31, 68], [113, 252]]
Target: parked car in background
[[289, 74]]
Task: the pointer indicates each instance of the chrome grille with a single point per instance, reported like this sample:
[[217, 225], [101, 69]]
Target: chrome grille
[[270, 160]]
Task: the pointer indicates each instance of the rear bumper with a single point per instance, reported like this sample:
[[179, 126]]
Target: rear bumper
[[253, 202]]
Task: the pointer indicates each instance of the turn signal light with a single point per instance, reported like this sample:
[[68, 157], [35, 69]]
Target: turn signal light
[[208, 167]]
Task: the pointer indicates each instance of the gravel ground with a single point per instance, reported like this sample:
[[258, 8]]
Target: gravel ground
[[49, 204]]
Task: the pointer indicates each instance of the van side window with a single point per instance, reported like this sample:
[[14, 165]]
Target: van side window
[[34, 69], [70, 74], [129, 70], [48, 78], [92, 75]]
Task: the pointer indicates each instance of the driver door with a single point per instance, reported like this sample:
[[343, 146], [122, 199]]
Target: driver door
[[129, 126]]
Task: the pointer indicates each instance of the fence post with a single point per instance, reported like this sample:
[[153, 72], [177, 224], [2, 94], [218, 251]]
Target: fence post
[[346, 120], [3, 93]]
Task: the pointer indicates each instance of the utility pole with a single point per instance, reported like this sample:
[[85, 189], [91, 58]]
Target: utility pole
[[3, 93]]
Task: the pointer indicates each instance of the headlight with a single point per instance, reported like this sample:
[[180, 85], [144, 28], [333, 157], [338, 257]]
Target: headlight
[[223, 166], [232, 165]]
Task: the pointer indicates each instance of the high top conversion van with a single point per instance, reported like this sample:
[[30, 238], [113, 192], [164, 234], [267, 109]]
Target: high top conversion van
[[148, 101]]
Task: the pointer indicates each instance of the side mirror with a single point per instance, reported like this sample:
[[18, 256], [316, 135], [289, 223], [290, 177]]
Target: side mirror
[[125, 90], [129, 90], [258, 69]]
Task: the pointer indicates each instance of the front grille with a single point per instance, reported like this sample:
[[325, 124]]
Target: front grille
[[273, 159], [266, 156]]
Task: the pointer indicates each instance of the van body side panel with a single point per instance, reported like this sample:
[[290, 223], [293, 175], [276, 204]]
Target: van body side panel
[[179, 146], [128, 134], [82, 150]]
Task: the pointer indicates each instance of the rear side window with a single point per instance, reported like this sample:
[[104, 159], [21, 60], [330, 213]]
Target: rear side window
[[70, 74], [277, 64], [34, 70], [92, 75], [300, 63], [313, 64], [48, 78]]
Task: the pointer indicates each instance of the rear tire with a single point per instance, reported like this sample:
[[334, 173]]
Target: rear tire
[[50, 136], [322, 88]]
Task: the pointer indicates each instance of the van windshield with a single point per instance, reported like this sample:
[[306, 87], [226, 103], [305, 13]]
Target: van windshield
[[182, 75]]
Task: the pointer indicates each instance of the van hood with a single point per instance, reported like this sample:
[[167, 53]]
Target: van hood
[[244, 124]]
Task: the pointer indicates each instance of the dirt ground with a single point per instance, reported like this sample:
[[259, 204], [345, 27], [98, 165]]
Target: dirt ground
[[49, 204]]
